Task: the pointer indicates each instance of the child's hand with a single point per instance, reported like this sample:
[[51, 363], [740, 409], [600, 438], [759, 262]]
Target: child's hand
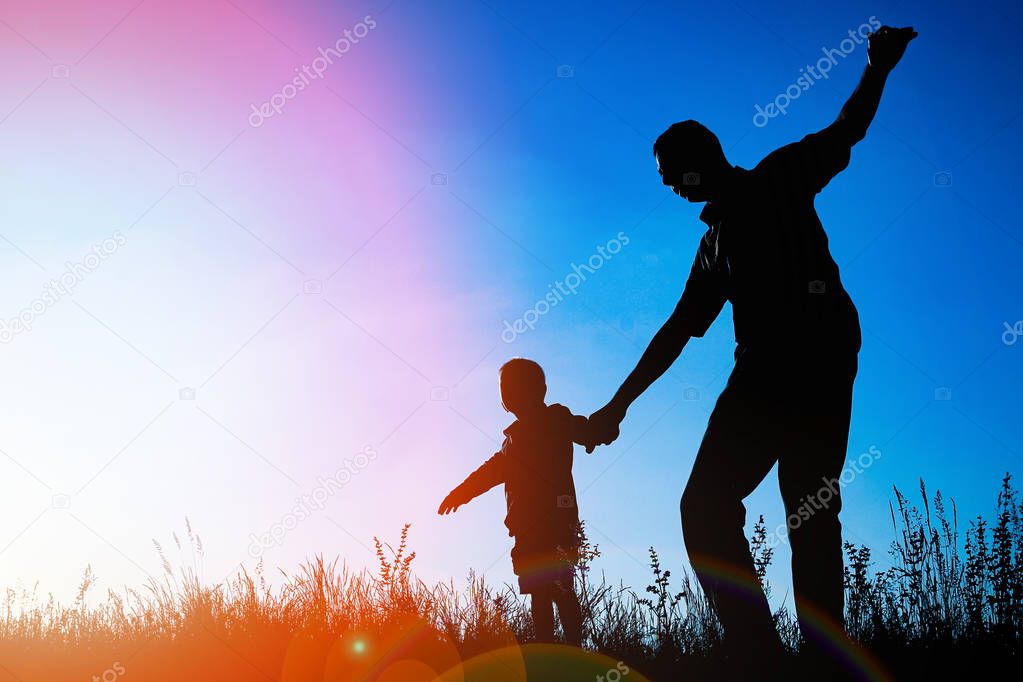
[[590, 440], [584, 434], [451, 503]]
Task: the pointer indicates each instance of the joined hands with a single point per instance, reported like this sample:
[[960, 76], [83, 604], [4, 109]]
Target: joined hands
[[604, 426]]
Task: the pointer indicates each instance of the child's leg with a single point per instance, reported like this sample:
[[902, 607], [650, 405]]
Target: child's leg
[[571, 616], [542, 606]]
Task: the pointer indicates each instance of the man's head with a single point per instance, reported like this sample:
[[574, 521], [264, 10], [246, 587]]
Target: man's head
[[523, 386], [691, 162]]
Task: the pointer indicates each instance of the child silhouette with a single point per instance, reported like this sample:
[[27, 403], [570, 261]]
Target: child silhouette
[[535, 466]]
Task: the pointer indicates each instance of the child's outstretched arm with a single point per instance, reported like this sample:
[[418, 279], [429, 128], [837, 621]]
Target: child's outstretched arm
[[490, 474]]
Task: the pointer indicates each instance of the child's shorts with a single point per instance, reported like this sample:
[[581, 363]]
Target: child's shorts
[[543, 565]]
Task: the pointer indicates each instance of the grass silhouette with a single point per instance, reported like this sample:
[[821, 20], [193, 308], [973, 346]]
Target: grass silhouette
[[951, 603]]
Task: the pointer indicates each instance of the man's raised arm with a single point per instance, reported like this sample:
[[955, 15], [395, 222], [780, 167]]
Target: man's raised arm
[[662, 352], [885, 48], [701, 301]]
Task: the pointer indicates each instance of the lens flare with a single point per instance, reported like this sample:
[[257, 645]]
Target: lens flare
[[541, 662], [851, 654]]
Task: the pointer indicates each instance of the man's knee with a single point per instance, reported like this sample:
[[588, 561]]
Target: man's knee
[[567, 602], [815, 531], [708, 513]]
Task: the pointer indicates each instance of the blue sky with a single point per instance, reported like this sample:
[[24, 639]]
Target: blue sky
[[931, 263], [458, 161]]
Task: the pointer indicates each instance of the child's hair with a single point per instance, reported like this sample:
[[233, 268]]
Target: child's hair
[[522, 383]]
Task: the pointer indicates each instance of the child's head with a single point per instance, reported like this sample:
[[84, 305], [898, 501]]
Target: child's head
[[523, 385]]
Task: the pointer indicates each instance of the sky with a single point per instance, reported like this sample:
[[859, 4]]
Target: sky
[[260, 261]]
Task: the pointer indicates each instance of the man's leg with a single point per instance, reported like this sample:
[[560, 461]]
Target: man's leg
[[570, 614], [809, 474], [736, 454], [541, 604]]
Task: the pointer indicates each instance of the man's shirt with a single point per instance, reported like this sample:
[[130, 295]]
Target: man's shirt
[[766, 252]]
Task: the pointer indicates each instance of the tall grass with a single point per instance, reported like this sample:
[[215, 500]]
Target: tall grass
[[950, 600]]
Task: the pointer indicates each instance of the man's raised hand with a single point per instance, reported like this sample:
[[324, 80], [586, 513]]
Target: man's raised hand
[[886, 46]]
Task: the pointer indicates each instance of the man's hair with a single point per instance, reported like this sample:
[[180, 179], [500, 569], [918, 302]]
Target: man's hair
[[690, 140], [523, 380]]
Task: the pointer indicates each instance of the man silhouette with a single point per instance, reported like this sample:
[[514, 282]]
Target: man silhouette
[[788, 399]]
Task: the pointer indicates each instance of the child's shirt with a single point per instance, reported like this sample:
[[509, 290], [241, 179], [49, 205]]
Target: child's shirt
[[535, 465]]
